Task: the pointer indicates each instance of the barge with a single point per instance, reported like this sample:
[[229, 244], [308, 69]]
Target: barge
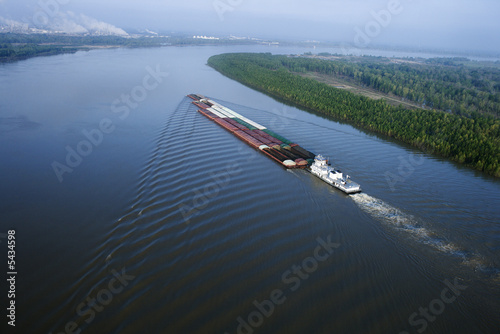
[[276, 147]]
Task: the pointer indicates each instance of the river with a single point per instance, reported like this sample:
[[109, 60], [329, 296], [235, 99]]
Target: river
[[133, 213]]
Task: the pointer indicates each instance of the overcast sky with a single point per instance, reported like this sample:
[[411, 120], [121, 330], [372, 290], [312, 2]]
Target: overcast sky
[[449, 24]]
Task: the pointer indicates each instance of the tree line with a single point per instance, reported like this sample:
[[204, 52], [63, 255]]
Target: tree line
[[15, 46], [16, 52], [473, 141], [21, 46], [447, 84]]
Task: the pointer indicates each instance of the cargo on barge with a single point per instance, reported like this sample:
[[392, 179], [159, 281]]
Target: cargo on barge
[[276, 147]]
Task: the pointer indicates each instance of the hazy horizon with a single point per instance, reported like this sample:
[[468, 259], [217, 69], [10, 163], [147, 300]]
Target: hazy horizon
[[447, 25]]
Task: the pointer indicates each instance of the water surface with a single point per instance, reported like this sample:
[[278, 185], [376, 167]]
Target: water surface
[[204, 228]]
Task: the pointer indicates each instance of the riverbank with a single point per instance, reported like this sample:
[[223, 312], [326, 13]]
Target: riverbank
[[473, 142], [15, 47]]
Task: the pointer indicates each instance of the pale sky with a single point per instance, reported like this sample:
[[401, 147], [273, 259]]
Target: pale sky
[[449, 24]]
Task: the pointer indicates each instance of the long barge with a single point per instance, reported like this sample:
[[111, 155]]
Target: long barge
[[276, 147]]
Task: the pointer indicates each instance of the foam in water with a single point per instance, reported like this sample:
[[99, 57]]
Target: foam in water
[[388, 214], [394, 217]]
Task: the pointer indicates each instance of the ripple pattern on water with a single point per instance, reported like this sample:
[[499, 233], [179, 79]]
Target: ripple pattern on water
[[216, 227]]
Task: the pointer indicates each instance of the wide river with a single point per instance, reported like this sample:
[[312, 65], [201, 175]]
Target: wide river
[[133, 213]]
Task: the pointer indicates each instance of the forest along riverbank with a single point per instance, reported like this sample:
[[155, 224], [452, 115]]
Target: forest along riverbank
[[473, 141]]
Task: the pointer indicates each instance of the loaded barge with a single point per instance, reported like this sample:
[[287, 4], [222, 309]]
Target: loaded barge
[[276, 147]]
